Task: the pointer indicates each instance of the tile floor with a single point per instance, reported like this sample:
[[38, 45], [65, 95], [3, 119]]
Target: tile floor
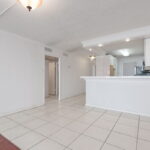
[[69, 125]]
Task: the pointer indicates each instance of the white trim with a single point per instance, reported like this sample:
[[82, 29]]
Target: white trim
[[21, 109], [118, 110], [114, 77]]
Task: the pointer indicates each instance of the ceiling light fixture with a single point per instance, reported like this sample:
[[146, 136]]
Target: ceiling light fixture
[[90, 49], [100, 45], [31, 4], [92, 57], [125, 52], [127, 39]]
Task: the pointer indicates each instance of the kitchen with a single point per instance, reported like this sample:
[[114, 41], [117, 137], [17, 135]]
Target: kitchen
[[122, 59], [121, 80]]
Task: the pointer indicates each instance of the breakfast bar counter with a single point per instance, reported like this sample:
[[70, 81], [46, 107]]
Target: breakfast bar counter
[[121, 93]]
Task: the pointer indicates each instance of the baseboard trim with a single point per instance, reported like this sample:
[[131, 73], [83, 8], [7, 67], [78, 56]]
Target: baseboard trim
[[72, 96], [21, 109], [142, 114]]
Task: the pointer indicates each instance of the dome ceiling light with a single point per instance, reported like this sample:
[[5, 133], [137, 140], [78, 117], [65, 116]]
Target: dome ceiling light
[[31, 4], [92, 57]]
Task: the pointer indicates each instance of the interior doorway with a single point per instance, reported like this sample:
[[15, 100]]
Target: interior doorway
[[51, 78]]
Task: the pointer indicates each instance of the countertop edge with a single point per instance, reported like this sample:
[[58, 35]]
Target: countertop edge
[[115, 77]]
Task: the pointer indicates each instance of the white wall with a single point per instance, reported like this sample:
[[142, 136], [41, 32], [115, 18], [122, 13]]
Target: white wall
[[21, 73], [72, 67], [122, 60]]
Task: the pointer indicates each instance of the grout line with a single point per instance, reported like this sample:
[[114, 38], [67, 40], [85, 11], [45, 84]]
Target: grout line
[[125, 134], [49, 138], [110, 132], [36, 144], [87, 129], [64, 106], [120, 148]]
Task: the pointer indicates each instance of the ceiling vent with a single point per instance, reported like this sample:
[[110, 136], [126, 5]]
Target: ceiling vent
[[48, 49]]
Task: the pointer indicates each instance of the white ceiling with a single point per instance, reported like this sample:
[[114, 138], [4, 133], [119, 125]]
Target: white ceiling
[[65, 23], [135, 47]]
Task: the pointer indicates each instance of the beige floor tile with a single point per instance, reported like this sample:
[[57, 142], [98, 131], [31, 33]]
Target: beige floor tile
[[128, 130], [122, 141], [41, 113], [143, 145], [49, 118], [110, 147], [104, 124], [48, 145], [97, 133], [77, 126], [128, 122], [4, 120], [145, 125], [129, 116], [48, 129], [65, 136], [34, 123], [145, 118], [21, 118], [99, 110], [73, 115], [31, 111], [109, 118], [15, 132], [85, 143], [144, 134], [113, 113], [7, 125], [28, 140], [86, 119], [93, 114], [62, 121]]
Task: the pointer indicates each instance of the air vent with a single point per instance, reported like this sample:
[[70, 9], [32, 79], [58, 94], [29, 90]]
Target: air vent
[[48, 49]]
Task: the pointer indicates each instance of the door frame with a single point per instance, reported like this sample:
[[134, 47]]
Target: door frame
[[57, 74]]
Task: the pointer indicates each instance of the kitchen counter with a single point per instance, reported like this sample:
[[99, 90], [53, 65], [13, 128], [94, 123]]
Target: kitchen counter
[[115, 77], [121, 93]]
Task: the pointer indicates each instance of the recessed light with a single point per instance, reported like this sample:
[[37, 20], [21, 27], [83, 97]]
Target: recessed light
[[100, 45], [127, 39], [90, 49]]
